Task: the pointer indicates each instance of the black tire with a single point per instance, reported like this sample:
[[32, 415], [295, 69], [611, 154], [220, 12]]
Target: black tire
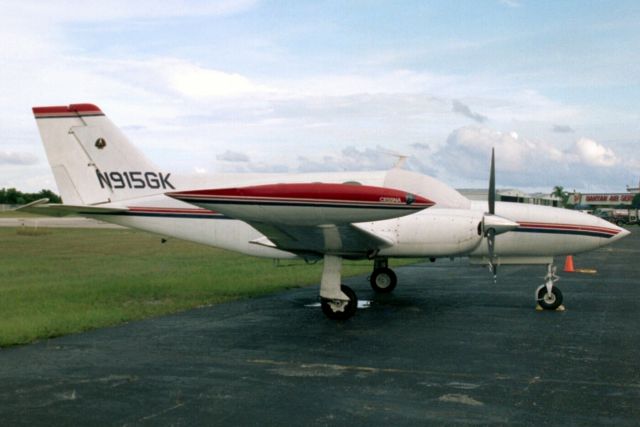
[[348, 311], [383, 280], [549, 302]]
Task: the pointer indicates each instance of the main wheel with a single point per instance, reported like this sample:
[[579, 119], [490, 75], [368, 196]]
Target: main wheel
[[549, 301], [339, 309], [383, 280]]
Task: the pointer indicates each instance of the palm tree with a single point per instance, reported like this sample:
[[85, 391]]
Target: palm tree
[[558, 191]]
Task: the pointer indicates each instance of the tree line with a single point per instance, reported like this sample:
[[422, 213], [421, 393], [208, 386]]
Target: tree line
[[11, 196]]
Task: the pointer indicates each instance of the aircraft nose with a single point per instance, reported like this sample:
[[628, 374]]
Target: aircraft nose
[[623, 232], [620, 233]]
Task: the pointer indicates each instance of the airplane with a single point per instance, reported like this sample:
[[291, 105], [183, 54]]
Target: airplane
[[335, 216]]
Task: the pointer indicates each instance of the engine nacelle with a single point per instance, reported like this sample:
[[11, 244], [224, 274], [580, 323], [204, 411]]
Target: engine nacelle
[[434, 233]]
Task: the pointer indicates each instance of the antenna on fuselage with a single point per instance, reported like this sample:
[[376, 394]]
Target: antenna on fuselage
[[400, 162], [401, 158]]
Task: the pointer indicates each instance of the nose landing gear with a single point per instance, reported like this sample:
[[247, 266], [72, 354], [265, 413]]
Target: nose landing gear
[[549, 296]]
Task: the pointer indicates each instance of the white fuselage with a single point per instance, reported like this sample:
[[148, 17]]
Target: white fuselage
[[449, 229]]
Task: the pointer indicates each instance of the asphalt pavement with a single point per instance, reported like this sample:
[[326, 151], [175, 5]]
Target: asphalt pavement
[[448, 347]]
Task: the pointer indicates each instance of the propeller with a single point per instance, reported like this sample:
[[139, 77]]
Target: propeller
[[492, 183], [493, 224], [490, 233]]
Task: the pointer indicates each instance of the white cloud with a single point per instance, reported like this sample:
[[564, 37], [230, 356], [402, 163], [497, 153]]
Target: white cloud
[[302, 121], [233, 156], [200, 171], [459, 107], [198, 82], [591, 153], [421, 146], [468, 147], [510, 3], [525, 162], [99, 11], [350, 159], [397, 81], [562, 129], [17, 158]]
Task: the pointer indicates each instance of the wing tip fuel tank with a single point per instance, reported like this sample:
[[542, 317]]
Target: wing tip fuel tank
[[307, 203]]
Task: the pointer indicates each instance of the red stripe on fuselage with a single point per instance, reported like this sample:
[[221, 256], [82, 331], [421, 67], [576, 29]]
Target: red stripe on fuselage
[[572, 227]]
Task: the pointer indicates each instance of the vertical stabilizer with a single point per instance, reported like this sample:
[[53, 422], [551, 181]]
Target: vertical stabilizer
[[93, 162]]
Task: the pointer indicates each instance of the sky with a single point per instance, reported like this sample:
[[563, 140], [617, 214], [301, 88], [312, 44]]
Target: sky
[[300, 86]]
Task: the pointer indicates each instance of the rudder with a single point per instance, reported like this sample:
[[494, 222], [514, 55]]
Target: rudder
[[93, 162]]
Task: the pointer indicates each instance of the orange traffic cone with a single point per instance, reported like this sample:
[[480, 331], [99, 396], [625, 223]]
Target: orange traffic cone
[[568, 265]]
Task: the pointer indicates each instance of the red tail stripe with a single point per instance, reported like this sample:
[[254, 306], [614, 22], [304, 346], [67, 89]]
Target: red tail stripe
[[72, 110]]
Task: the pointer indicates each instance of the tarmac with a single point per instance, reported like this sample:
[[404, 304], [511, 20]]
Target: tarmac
[[448, 347]]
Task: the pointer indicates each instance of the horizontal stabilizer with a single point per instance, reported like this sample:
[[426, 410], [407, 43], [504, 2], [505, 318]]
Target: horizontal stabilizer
[[43, 207]]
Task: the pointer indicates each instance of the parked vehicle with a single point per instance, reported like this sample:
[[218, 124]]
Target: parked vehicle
[[619, 217]]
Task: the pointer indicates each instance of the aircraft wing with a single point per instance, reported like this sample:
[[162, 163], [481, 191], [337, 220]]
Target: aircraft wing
[[43, 207], [315, 240], [311, 218]]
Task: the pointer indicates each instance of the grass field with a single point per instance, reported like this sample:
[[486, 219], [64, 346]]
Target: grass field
[[18, 214], [60, 281]]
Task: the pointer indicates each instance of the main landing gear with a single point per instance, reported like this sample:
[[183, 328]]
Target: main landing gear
[[548, 296], [383, 280], [338, 301]]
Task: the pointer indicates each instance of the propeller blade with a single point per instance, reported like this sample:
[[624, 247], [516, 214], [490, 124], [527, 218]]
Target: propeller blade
[[491, 231], [492, 184], [494, 225], [491, 244]]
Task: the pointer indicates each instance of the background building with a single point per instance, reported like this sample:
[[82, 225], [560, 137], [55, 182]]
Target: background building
[[511, 195], [603, 201]]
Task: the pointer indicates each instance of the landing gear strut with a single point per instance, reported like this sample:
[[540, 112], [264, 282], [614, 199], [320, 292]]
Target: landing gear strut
[[338, 301], [548, 296], [383, 279]]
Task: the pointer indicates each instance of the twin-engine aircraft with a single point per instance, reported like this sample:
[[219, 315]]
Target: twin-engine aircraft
[[328, 216]]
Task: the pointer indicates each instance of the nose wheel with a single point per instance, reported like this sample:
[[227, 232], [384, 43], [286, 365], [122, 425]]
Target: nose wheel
[[549, 296], [549, 301]]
